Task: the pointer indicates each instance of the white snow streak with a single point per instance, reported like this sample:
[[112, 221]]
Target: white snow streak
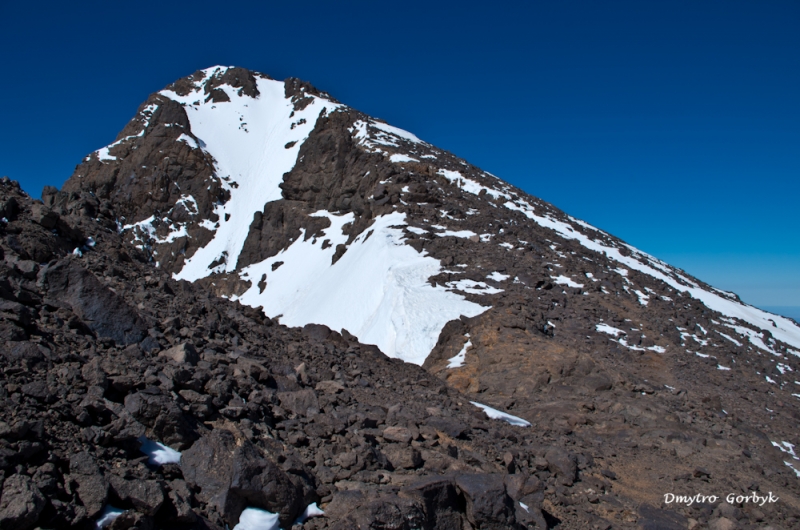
[[458, 360], [247, 138], [783, 329], [498, 415]]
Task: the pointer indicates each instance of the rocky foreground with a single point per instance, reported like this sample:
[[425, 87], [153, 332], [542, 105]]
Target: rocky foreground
[[99, 350]]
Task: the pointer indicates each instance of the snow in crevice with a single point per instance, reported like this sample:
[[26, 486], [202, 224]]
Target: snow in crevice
[[158, 454], [250, 160], [457, 361], [378, 290], [108, 515], [144, 232]]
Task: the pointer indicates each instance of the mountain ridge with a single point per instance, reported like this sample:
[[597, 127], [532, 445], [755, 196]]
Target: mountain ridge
[[364, 228], [398, 145]]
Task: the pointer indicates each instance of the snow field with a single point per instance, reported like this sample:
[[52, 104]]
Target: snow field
[[247, 138], [378, 290]]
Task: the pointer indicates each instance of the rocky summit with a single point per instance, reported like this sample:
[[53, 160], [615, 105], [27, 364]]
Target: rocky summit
[[260, 308]]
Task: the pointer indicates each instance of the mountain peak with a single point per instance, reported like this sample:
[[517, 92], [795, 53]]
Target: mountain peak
[[274, 195]]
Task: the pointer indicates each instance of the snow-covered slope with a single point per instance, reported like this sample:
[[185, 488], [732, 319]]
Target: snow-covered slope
[[254, 141], [378, 290], [383, 287]]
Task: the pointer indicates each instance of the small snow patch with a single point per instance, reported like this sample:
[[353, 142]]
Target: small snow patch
[[497, 415], [158, 453], [458, 360], [402, 158], [312, 510], [257, 519], [605, 328], [565, 280], [473, 287], [108, 515], [643, 298], [464, 234]]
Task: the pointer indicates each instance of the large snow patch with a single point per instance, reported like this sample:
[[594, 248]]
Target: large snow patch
[[378, 290], [251, 140]]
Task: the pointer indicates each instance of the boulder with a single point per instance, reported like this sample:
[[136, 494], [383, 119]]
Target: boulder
[[162, 416], [233, 474], [442, 503], [299, 401], [147, 496], [92, 484], [21, 503], [103, 311], [397, 434], [487, 504], [182, 353], [561, 464], [403, 457]]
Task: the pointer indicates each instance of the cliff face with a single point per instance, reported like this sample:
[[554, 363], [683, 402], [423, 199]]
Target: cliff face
[[275, 195]]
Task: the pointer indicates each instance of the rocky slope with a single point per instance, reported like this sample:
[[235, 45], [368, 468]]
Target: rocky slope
[[275, 195]]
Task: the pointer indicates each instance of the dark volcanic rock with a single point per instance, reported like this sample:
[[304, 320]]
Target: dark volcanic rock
[[233, 475], [161, 414], [21, 503], [101, 309], [92, 484]]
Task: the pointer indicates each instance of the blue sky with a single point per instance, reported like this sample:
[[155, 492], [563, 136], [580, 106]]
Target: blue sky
[[674, 125]]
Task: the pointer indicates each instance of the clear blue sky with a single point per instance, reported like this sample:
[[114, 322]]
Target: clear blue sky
[[674, 125]]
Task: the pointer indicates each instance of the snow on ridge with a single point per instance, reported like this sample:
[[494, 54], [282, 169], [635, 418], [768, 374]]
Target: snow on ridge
[[471, 186], [247, 138], [396, 131], [103, 153], [378, 290], [383, 135], [781, 328]]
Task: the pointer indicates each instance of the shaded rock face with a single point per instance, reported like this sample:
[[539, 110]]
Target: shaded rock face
[[234, 475], [21, 503], [98, 307], [634, 387]]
